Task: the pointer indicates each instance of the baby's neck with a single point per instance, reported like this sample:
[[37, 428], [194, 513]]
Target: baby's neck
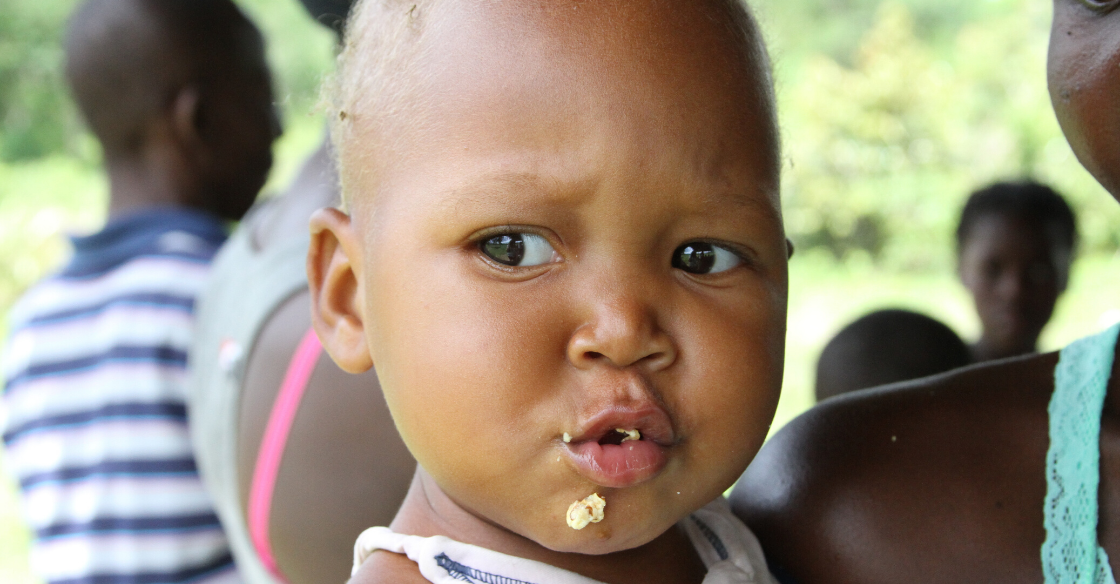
[[428, 511]]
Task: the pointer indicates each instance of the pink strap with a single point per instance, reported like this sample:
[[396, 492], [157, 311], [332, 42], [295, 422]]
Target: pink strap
[[272, 446]]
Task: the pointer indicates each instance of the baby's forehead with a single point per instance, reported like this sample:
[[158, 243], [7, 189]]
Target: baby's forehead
[[402, 71], [389, 52]]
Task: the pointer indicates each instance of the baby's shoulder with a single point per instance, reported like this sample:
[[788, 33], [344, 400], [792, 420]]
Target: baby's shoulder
[[388, 568]]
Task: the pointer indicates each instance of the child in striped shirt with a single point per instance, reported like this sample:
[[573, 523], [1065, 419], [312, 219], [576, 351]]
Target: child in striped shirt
[[179, 97]]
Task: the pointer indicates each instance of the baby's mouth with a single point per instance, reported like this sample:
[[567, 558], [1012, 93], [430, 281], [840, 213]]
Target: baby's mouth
[[618, 455], [619, 435]]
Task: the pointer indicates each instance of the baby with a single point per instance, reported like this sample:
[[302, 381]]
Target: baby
[[562, 247]]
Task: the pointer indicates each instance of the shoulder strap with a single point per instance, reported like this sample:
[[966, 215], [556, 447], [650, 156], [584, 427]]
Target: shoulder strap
[[1070, 554], [273, 442]]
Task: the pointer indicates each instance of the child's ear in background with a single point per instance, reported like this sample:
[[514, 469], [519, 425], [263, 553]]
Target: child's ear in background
[[336, 290], [186, 118]]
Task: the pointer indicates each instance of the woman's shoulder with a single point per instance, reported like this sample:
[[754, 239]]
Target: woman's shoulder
[[384, 567], [953, 408], [894, 468]]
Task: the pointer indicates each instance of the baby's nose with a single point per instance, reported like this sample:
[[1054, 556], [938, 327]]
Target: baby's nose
[[622, 332]]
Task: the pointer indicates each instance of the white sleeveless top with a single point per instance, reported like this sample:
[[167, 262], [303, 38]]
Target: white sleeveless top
[[726, 546]]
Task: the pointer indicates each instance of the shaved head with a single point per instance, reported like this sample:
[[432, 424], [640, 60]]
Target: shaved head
[[380, 87], [126, 59], [887, 346]]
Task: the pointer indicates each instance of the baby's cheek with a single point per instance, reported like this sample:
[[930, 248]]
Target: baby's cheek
[[475, 406], [731, 406]]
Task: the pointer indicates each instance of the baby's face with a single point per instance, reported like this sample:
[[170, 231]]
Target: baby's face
[[577, 232], [1084, 84]]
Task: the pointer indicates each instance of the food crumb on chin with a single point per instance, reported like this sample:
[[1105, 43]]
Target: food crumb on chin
[[585, 511], [567, 437]]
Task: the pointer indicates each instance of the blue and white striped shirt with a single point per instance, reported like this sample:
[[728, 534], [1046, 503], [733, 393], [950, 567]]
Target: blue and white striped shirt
[[96, 424]]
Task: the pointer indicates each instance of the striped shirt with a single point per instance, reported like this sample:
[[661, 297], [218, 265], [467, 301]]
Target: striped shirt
[[95, 422]]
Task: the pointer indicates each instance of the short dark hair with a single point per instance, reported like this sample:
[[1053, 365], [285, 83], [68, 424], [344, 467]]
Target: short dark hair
[[887, 346], [1027, 200], [125, 57]]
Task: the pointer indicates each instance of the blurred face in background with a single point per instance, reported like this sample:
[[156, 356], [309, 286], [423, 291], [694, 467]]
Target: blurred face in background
[[1015, 271]]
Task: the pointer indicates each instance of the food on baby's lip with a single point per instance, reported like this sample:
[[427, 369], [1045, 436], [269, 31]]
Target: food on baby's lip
[[589, 510], [616, 436], [630, 434]]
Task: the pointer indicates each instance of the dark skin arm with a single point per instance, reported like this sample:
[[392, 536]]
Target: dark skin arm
[[939, 480]]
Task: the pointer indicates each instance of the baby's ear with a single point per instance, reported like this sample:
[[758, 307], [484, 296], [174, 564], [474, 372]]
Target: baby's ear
[[336, 290]]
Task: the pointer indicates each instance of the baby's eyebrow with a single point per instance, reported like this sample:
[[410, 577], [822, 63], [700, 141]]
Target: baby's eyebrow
[[552, 189], [555, 189], [761, 202]]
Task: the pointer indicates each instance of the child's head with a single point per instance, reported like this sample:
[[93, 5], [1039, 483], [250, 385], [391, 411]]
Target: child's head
[[1084, 88], [178, 86], [884, 347], [563, 219], [1015, 243]]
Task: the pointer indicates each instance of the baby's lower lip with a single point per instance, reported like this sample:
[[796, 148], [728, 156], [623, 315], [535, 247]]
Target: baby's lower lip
[[618, 465]]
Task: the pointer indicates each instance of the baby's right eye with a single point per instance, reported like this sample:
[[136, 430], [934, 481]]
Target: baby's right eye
[[518, 249]]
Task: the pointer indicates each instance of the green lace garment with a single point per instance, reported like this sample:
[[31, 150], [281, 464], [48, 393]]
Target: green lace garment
[[1070, 553]]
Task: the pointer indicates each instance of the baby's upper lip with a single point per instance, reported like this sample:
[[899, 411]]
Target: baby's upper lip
[[651, 420]]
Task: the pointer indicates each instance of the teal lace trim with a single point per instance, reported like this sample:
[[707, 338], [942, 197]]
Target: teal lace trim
[[1070, 554]]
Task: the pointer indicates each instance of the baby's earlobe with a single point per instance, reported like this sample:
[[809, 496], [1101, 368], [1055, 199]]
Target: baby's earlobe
[[335, 286], [789, 248]]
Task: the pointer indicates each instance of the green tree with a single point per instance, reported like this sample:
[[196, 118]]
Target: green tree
[[883, 150]]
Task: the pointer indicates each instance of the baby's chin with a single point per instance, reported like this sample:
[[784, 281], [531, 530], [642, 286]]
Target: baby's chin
[[603, 539], [626, 524]]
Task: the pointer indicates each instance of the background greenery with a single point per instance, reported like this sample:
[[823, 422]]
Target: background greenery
[[891, 113]]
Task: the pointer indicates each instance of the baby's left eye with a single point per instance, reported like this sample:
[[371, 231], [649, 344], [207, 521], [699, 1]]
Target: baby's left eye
[[517, 249], [698, 257]]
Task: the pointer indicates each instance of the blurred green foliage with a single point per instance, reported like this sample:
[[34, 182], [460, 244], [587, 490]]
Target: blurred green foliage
[[35, 110], [885, 139]]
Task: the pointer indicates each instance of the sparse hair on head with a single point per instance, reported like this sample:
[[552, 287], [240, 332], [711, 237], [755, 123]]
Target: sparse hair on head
[[1026, 200], [376, 76], [126, 59], [887, 346]]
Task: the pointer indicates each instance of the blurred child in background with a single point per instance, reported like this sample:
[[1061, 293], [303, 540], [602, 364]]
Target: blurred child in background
[[884, 347], [179, 97], [1015, 244]]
